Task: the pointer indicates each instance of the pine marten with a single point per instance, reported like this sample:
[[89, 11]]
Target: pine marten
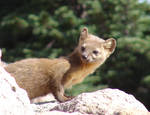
[[40, 76]]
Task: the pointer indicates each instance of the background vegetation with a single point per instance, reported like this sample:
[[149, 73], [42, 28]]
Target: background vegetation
[[50, 28]]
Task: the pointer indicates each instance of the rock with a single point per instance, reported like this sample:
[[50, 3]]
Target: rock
[[58, 113], [47, 98], [104, 102], [44, 107], [14, 100], [131, 112]]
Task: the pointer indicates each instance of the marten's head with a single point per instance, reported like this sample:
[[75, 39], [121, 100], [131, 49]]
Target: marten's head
[[92, 48]]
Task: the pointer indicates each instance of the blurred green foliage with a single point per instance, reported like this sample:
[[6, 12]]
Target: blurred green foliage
[[50, 28]]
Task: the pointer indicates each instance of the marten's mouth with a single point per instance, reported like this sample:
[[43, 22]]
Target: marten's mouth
[[87, 59]]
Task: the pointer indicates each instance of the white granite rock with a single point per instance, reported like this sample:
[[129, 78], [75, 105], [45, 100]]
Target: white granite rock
[[13, 100], [104, 102]]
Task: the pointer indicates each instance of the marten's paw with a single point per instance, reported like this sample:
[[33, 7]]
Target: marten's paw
[[70, 97], [66, 98]]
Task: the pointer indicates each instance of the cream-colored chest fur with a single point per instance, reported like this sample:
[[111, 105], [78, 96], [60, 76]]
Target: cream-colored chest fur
[[77, 74]]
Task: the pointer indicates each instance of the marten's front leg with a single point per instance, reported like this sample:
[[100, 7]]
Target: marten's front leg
[[58, 92]]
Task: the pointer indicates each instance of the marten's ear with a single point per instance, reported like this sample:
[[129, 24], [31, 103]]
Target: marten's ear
[[110, 45], [84, 33]]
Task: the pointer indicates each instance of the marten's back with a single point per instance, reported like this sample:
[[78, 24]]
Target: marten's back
[[37, 76]]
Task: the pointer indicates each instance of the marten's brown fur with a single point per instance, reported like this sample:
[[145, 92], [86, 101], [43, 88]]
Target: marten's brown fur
[[42, 76]]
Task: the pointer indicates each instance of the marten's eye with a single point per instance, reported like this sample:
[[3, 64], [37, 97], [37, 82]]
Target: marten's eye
[[95, 52], [82, 48]]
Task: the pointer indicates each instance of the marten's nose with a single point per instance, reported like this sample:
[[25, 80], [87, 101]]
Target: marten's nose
[[84, 57]]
